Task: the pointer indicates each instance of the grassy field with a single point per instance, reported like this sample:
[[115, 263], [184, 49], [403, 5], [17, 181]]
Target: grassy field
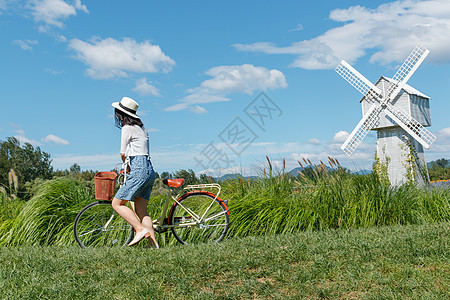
[[328, 237], [392, 262]]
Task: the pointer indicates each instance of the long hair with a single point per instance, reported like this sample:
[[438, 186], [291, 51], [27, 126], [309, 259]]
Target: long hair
[[123, 119]]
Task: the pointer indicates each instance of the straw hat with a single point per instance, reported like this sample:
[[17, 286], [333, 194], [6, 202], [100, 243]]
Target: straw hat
[[128, 106]]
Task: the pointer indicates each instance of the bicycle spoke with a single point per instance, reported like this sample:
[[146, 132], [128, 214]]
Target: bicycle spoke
[[190, 212], [215, 225], [88, 232], [211, 227], [216, 216], [97, 225], [210, 205]]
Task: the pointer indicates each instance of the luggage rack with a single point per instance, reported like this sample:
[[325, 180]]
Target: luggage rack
[[203, 187]]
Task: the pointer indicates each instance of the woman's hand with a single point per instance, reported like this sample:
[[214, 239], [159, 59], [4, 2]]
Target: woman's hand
[[124, 157]]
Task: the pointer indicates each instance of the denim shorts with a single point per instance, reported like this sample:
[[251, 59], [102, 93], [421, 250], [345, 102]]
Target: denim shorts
[[140, 181]]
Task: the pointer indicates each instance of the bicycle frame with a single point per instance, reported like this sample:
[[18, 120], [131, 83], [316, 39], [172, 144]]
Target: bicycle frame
[[159, 225]]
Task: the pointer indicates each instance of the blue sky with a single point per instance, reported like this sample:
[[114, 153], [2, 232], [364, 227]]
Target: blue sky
[[199, 68]]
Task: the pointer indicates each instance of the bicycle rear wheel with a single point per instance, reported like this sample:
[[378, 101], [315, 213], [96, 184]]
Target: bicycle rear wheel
[[211, 214], [98, 224]]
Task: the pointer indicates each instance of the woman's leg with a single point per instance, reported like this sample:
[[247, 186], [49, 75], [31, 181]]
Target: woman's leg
[[140, 204], [126, 213]]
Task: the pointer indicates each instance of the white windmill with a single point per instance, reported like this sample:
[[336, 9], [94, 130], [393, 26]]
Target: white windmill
[[399, 114]]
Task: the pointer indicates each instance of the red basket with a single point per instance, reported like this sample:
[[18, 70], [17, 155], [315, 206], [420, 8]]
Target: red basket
[[104, 185]]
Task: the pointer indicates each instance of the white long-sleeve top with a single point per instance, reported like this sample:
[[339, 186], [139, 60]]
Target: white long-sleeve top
[[134, 141]]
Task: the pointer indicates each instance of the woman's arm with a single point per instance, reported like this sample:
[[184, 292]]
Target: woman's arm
[[124, 157], [124, 141]]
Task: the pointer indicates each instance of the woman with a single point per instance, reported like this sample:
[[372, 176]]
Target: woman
[[134, 150]]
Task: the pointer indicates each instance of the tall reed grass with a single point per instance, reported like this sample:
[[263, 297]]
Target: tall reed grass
[[9, 209], [330, 199], [275, 204], [47, 218]]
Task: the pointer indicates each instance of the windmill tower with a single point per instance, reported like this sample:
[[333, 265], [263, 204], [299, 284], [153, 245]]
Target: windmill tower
[[399, 114]]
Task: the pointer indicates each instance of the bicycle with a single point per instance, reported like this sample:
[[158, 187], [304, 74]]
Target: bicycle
[[198, 215]]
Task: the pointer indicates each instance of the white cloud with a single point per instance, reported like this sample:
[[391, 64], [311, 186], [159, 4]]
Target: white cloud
[[21, 137], [314, 141], [80, 6], [197, 96], [153, 130], [25, 44], [243, 79], [441, 147], [61, 38], [20, 131], [87, 162], [314, 157], [53, 12], [299, 27], [340, 136], [392, 30], [110, 58], [268, 48], [145, 88], [197, 109], [444, 133], [23, 140], [54, 72], [215, 173], [226, 80], [55, 139]]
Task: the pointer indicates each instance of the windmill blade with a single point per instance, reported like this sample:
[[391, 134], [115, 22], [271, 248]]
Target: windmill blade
[[415, 58], [355, 138], [411, 126], [357, 80]]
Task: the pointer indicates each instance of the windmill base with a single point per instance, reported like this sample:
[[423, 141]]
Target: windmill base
[[402, 155]]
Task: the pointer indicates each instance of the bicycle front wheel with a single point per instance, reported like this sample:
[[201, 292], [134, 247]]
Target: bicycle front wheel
[[199, 217], [98, 224]]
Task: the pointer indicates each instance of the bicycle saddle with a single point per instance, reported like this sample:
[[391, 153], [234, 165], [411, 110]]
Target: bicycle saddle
[[174, 182]]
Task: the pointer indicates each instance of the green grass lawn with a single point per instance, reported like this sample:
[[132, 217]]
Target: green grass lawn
[[398, 262]]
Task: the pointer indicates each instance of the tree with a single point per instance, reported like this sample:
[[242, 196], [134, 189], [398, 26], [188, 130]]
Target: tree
[[442, 162], [439, 169], [205, 178], [189, 176], [27, 162], [75, 169], [165, 175], [75, 172]]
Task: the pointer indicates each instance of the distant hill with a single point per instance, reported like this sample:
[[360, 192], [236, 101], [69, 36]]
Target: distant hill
[[235, 176], [362, 172], [293, 172]]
